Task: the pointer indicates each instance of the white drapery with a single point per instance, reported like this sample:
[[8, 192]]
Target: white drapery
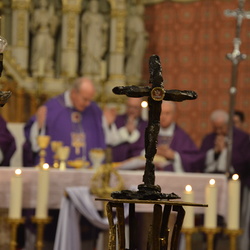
[[79, 201]]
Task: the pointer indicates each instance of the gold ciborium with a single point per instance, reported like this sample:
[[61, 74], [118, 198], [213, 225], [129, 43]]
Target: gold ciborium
[[55, 145], [43, 143], [63, 154]]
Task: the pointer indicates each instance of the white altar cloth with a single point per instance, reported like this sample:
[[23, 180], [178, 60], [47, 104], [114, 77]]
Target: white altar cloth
[[59, 180]]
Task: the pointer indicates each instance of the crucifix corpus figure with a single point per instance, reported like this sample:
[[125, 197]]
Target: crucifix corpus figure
[[156, 94]]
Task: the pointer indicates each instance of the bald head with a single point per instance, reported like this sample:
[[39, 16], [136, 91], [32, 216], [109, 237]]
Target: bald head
[[82, 93], [219, 119], [134, 107], [167, 114]]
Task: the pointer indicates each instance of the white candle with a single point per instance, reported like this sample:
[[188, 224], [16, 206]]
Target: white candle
[[233, 203], [42, 192], [211, 210], [16, 191], [188, 196]]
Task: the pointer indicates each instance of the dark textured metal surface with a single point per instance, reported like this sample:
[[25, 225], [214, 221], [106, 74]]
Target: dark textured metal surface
[[156, 93]]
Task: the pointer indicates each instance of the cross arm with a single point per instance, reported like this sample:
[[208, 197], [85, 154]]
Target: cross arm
[[179, 95], [132, 91]]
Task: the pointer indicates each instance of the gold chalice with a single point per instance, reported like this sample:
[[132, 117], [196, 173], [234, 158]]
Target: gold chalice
[[43, 143], [63, 155], [55, 145]]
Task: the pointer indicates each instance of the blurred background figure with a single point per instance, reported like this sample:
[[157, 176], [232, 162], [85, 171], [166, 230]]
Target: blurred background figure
[[94, 39], [72, 118], [214, 146], [136, 43], [44, 24], [239, 119], [176, 151], [7, 144], [126, 131]]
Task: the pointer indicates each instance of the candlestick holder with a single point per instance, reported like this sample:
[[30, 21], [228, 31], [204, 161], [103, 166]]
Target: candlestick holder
[[188, 232], [233, 233], [40, 230], [14, 223], [210, 232]]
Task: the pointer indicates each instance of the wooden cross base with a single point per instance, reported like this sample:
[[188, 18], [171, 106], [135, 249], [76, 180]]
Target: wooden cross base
[[158, 235]]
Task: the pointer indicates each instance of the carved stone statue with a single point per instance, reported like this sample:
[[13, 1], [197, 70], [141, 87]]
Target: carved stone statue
[[93, 39], [136, 41], [43, 26]]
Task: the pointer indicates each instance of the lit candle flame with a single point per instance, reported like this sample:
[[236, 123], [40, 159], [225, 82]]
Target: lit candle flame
[[45, 166], [18, 171], [188, 188], [212, 182], [235, 177], [144, 104]]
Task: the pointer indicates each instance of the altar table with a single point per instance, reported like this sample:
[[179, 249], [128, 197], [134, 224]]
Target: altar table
[[59, 180]]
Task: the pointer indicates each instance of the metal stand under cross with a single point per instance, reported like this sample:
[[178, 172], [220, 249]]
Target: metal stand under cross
[[156, 94], [235, 57]]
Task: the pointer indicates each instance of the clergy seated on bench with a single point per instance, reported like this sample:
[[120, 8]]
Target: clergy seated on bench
[[214, 148], [7, 144], [68, 117], [126, 131], [176, 151]]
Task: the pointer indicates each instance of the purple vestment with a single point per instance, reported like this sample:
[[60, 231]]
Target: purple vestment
[[240, 152], [188, 151], [127, 150], [7, 143], [60, 126]]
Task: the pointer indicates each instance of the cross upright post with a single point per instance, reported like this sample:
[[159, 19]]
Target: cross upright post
[[156, 94], [235, 57]]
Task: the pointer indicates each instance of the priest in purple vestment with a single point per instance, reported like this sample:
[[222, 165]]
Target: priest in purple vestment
[[176, 151], [7, 144], [72, 118], [126, 135], [214, 148]]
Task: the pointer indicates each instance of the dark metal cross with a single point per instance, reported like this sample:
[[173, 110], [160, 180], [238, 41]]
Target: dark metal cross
[[156, 94]]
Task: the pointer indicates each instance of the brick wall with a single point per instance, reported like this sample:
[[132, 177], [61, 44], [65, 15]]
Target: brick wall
[[192, 40]]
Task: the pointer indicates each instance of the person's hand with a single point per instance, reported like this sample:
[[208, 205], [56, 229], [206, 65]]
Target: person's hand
[[41, 116], [220, 143], [110, 114], [131, 124], [165, 151]]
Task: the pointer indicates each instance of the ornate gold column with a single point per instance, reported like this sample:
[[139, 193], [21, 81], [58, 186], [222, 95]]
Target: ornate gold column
[[70, 36], [117, 45], [20, 27]]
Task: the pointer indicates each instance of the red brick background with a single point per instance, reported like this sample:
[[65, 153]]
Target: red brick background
[[192, 40]]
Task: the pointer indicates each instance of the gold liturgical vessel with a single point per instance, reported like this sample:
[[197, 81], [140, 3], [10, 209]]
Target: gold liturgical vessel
[[43, 142], [55, 145]]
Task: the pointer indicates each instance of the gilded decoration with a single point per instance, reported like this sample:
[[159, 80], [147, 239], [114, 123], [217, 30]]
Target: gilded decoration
[[21, 4], [21, 17], [120, 34], [71, 31], [69, 8]]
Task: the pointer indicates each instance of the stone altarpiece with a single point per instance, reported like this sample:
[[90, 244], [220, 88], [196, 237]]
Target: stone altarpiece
[[67, 58]]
